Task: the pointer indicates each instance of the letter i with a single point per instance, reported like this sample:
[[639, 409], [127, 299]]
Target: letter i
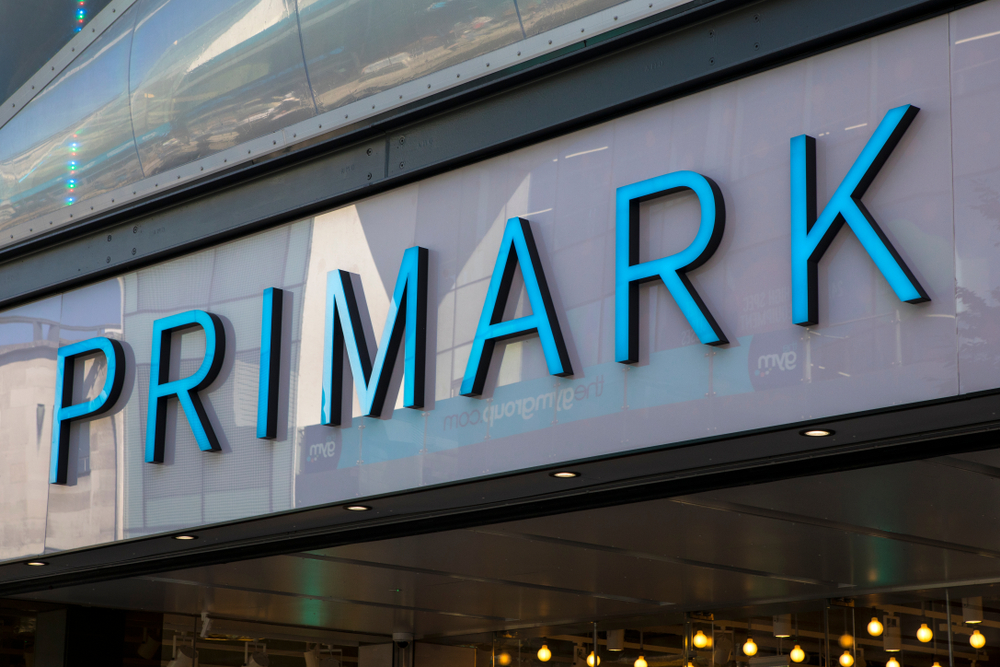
[[270, 364]]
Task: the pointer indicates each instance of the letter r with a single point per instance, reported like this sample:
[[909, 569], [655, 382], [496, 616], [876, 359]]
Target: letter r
[[672, 270], [812, 235], [186, 390], [65, 411]]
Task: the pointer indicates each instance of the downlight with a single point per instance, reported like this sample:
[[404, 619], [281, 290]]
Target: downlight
[[817, 432], [357, 508], [185, 537], [972, 610], [564, 474], [797, 654], [36, 563]]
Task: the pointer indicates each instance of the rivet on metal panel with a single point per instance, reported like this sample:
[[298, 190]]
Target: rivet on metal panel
[[518, 53], [428, 85], [108, 261], [135, 229], [321, 126], [133, 251], [711, 33], [550, 41], [756, 46], [368, 152], [487, 64], [402, 140], [369, 176], [275, 143], [400, 165], [616, 18], [109, 237], [201, 169], [756, 18], [711, 61], [345, 115]]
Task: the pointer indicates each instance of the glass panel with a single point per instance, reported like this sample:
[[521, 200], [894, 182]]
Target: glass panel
[[207, 75], [542, 15], [355, 49], [74, 140]]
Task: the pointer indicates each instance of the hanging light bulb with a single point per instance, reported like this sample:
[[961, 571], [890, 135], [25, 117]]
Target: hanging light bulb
[[690, 664], [797, 654], [504, 659], [892, 662], [700, 640], [977, 640], [936, 664], [590, 660], [846, 660], [641, 662], [925, 634], [846, 641], [544, 654], [750, 648], [874, 627]]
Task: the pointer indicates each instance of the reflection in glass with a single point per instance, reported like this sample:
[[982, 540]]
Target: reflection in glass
[[356, 48], [208, 75], [74, 139]]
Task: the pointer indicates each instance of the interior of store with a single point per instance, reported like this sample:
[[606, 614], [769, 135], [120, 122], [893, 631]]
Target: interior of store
[[851, 568]]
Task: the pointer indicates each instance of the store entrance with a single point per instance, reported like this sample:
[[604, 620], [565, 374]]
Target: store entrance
[[805, 562]]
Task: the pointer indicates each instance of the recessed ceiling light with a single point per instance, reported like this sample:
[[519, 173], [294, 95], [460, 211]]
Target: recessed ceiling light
[[185, 537], [357, 508], [816, 432], [36, 563], [565, 474]]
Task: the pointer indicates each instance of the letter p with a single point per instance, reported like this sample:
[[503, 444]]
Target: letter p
[[66, 411]]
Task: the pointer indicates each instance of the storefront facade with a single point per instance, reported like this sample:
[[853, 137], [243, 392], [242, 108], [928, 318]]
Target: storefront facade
[[687, 327]]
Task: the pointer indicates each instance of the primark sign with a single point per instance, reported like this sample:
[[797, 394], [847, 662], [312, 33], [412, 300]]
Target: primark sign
[[349, 345]]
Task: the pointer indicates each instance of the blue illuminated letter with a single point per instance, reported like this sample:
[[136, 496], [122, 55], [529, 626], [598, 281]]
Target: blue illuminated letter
[[345, 328], [629, 273], [270, 364], [811, 236], [516, 248], [186, 390], [66, 411]]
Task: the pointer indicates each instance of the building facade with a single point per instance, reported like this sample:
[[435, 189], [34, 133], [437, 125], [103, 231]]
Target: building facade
[[658, 334]]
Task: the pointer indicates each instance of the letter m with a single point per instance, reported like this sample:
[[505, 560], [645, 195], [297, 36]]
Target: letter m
[[812, 235], [347, 329]]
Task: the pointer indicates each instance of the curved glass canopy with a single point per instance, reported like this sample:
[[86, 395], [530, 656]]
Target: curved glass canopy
[[174, 81]]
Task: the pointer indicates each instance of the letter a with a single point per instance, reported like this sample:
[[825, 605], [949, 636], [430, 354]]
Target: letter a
[[516, 248], [812, 235]]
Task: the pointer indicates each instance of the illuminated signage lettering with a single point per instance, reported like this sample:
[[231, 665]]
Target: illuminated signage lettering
[[812, 235], [348, 331], [516, 249], [161, 388], [66, 411]]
